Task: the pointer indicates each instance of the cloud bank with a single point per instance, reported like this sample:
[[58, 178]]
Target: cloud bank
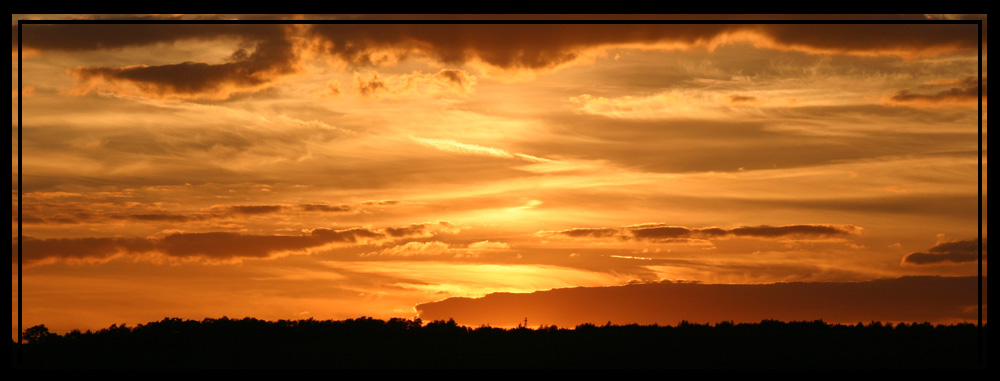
[[907, 299]]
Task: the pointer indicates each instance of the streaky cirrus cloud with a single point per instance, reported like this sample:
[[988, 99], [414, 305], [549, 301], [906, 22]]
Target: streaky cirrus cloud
[[947, 252], [448, 145], [657, 232], [965, 90], [105, 36], [213, 246], [77, 213]]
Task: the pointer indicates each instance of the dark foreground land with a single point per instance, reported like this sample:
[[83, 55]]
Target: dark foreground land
[[399, 343]]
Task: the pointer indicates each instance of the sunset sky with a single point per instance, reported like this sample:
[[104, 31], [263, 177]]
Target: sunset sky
[[288, 171]]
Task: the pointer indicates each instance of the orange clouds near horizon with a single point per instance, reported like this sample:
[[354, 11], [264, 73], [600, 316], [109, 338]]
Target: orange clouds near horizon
[[908, 299]]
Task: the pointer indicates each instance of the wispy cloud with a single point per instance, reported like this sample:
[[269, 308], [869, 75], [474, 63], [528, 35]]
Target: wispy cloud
[[966, 91], [444, 83], [452, 146]]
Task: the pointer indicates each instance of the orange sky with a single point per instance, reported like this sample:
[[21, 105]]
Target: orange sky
[[286, 171]]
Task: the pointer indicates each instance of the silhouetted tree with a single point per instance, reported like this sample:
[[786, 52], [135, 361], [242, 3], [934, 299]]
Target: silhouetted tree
[[38, 334]]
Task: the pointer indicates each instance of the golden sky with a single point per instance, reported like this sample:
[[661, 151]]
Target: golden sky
[[331, 170]]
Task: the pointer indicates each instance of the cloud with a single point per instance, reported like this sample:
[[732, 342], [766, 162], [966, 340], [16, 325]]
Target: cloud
[[444, 83], [545, 46], [255, 209], [369, 87], [439, 249], [73, 212], [157, 217], [325, 208], [214, 246], [947, 252], [411, 249], [464, 148], [586, 232], [893, 39], [909, 299], [34, 249], [659, 105], [249, 72], [656, 232], [382, 202], [268, 54], [421, 230], [817, 231], [736, 98], [488, 245], [98, 211], [108, 36], [224, 245], [967, 91], [452, 146]]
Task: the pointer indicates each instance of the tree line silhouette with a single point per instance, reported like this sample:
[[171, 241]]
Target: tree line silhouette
[[400, 343]]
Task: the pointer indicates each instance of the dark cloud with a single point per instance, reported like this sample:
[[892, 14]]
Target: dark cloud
[[532, 46], [458, 77], [741, 98], [255, 209], [909, 299], [246, 71], [79, 248], [72, 214], [82, 37], [967, 91], [959, 251], [818, 231], [325, 208], [272, 55], [657, 233], [370, 87], [590, 233], [875, 38], [30, 220], [224, 245], [416, 230], [666, 233], [209, 245], [216, 212], [158, 217], [538, 46]]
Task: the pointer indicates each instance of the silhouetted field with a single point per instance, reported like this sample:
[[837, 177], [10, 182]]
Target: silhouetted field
[[400, 343]]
